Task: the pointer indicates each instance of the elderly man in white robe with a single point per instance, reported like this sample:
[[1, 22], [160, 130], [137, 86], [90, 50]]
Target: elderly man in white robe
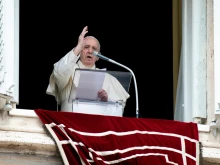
[[61, 79]]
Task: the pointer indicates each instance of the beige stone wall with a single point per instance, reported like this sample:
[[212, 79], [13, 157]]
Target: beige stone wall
[[26, 159], [209, 163]]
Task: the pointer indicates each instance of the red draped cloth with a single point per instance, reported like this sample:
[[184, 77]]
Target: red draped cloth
[[85, 139]]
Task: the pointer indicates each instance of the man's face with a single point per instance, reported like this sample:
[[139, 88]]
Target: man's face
[[86, 55]]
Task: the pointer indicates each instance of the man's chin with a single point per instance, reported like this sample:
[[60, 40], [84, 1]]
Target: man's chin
[[89, 64]]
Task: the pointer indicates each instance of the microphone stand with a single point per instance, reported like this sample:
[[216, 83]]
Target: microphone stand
[[135, 83]]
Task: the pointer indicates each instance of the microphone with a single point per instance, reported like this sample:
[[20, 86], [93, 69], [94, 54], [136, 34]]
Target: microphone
[[135, 83], [100, 56]]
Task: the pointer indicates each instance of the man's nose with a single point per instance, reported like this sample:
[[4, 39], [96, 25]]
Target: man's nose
[[91, 50]]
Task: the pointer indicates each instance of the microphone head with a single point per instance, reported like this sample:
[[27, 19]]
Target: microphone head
[[95, 53]]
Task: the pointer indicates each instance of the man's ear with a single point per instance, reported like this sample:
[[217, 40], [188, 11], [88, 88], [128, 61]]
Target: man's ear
[[97, 59]]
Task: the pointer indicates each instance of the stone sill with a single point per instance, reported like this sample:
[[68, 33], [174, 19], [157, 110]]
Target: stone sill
[[19, 120], [203, 128], [22, 132], [27, 143], [23, 113], [31, 113]]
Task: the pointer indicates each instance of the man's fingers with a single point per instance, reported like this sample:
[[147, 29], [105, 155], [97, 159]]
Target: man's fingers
[[103, 95], [85, 30], [101, 91], [104, 98], [84, 33]]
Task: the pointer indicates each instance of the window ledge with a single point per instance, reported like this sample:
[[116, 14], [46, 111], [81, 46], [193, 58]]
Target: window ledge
[[21, 131], [22, 121], [203, 128], [23, 113]]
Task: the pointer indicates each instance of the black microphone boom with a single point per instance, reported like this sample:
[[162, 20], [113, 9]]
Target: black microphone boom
[[135, 83]]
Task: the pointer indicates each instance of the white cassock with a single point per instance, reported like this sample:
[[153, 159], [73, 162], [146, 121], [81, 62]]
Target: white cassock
[[61, 82]]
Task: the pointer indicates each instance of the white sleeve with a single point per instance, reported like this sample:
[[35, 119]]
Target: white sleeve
[[64, 68]]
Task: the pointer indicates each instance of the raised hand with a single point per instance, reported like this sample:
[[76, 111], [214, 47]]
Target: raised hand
[[81, 40]]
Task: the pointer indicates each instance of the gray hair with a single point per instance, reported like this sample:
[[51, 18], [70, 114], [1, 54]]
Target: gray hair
[[99, 48]]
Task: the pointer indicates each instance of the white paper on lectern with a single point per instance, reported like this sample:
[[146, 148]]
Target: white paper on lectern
[[90, 82]]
